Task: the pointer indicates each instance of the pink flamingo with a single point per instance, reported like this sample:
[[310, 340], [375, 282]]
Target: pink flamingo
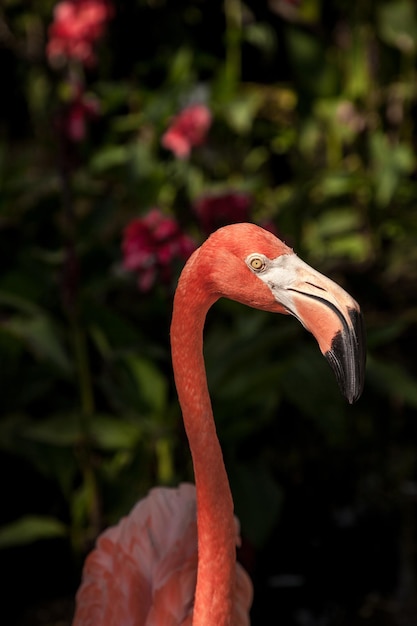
[[146, 570]]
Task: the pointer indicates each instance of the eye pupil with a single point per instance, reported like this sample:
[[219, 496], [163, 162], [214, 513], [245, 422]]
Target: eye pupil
[[256, 263]]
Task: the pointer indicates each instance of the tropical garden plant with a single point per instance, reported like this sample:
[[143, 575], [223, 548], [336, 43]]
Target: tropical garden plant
[[129, 132]]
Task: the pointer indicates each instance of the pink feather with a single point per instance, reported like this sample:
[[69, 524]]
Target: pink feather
[[143, 570]]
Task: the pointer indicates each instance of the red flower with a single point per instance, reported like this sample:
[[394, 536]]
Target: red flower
[[151, 244], [218, 210], [188, 129], [77, 117], [76, 113], [77, 25]]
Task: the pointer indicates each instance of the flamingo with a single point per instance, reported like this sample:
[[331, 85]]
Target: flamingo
[[147, 570]]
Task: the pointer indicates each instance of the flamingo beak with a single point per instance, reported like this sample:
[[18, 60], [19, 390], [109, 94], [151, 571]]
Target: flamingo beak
[[328, 312]]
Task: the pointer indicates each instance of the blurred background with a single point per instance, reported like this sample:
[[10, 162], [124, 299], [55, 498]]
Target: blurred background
[[129, 131]]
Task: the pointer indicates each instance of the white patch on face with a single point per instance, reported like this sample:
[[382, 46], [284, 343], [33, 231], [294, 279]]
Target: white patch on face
[[288, 274], [279, 274]]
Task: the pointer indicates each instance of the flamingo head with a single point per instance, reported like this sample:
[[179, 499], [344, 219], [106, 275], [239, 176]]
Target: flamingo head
[[246, 263]]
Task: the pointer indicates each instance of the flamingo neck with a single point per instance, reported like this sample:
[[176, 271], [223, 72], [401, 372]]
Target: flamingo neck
[[215, 521]]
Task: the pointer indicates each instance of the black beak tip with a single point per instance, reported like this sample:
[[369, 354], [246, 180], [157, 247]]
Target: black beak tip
[[347, 357]]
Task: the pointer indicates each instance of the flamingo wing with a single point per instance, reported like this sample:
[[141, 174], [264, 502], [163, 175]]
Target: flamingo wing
[[143, 571]]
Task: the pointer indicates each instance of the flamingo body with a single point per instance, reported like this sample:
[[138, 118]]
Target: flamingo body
[[172, 560], [143, 570]]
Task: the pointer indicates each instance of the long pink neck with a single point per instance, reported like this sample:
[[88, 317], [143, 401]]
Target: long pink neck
[[216, 531]]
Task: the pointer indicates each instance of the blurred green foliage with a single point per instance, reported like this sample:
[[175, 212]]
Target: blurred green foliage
[[314, 109]]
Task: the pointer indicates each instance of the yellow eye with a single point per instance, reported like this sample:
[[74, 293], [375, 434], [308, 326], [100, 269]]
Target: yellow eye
[[257, 263]]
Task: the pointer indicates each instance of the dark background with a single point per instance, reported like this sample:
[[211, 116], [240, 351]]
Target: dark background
[[314, 118]]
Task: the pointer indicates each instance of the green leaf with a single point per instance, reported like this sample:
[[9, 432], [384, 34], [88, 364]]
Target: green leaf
[[397, 24], [390, 164], [105, 431], [58, 430], [41, 336], [336, 184], [241, 111], [180, 66], [262, 36], [113, 433], [358, 71], [150, 381], [109, 329], [109, 157], [30, 528], [17, 302], [337, 233], [307, 58]]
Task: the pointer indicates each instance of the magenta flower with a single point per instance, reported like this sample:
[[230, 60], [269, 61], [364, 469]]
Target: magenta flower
[[77, 112], [217, 210], [77, 25], [151, 245], [188, 129]]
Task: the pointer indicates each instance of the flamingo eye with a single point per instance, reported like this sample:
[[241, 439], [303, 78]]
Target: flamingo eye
[[257, 263]]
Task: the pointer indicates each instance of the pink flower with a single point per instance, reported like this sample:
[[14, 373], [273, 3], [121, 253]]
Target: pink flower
[[218, 210], [77, 117], [188, 129], [77, 25], [150, 246], [77, 112]]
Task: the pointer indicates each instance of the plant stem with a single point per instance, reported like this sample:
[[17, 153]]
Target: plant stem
[[84, 373], [70, 297], [233, 42]]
